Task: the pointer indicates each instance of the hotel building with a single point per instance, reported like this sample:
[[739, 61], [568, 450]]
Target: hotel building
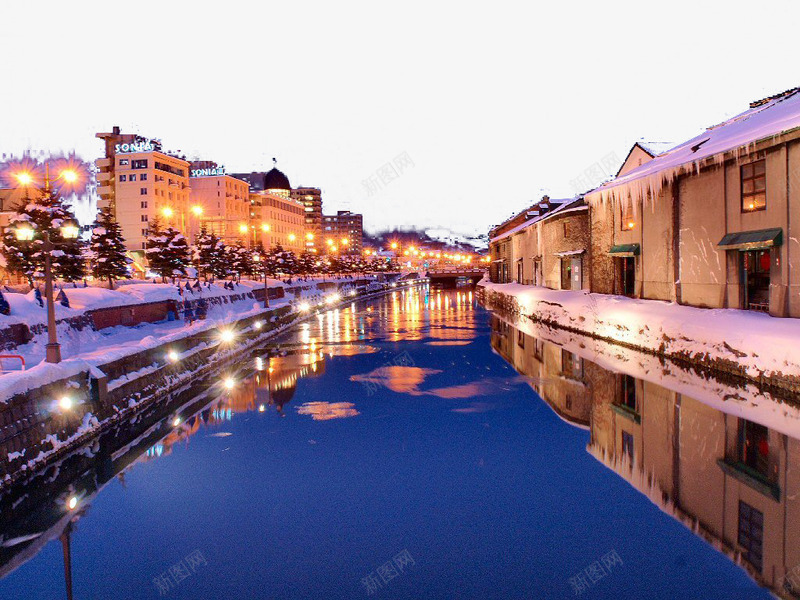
[[343, 231], [140, 183], [275, 217], [312, 202], [219, 202]]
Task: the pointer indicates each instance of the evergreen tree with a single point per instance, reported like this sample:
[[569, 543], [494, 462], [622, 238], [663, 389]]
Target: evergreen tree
[[209, 255], [167, 251], [240, 259], [46, 213], [108, 249]]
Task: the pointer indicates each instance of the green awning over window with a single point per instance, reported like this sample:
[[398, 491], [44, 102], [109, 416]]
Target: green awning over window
[[752, 240], [625, 250]]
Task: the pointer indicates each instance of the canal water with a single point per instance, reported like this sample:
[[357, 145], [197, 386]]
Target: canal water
[[418, 446]]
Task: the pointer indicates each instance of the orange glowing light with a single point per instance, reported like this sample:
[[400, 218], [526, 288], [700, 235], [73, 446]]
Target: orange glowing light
[[24, 178]]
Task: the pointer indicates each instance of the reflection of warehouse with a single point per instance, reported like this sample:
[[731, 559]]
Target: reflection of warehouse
[[557, 376], [727, 479]]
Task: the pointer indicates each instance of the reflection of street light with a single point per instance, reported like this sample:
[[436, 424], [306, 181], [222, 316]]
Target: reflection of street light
[[69, 231]]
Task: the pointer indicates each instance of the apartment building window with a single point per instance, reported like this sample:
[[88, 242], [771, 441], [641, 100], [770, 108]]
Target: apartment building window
[[123, 162], [144, 219], [627, 392], [565, 230], [144, 245], [132, 177], [123, 178], [144, 203], [143, 177], [139, 164], [143, 191], [751, 533], [144, 232], [754, 186]]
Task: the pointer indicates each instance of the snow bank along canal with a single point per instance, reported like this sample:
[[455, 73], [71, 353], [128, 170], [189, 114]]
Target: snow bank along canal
[[417, 446]]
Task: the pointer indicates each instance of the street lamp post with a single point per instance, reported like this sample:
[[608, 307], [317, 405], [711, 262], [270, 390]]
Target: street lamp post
[[69, 230], [257, 258]]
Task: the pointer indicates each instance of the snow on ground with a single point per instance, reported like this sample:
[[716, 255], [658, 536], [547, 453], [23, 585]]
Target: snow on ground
[[86, 349], [747, 401], [759, 343]]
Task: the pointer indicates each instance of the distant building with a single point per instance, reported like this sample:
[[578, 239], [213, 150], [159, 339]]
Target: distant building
[[272, 181], [140, 183], [220, 203], [312, 202], [343, 231], [504, 265], [276, 218]]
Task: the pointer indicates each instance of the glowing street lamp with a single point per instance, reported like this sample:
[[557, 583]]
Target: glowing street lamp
[[292, 237], [69, 175], [242, 228], [197, 211], [24, 178], [69, 231], [167, 212]]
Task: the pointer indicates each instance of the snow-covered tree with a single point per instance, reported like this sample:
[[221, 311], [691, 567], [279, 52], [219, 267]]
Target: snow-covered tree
[[209, 255], [239, 259], [107, 249], [166, 251], [47, 213]]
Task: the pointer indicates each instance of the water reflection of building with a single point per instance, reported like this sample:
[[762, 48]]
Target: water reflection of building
[[559, 377], [728, 479], [276, 380]]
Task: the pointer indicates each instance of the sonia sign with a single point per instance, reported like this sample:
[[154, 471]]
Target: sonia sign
[[208, 172], [144, 146]]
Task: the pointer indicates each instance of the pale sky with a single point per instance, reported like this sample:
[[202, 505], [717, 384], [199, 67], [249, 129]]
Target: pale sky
[[496, 103]]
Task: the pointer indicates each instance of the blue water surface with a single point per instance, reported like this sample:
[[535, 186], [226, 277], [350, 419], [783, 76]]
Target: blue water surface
[[473, 490]]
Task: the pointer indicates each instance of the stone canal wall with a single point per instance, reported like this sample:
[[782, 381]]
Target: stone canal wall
[[745, 346]]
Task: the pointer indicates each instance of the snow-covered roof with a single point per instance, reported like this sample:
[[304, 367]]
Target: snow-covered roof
[[562, 206], [656, 148], [766, 118]]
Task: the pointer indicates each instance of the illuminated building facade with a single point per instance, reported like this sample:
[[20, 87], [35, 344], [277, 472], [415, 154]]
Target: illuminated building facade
[[140, 184], [343, 231], [220, 203], [277, 220], [312, 205]]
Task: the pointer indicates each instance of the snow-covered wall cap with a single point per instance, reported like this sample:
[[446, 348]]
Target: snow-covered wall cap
[[770, 117]]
